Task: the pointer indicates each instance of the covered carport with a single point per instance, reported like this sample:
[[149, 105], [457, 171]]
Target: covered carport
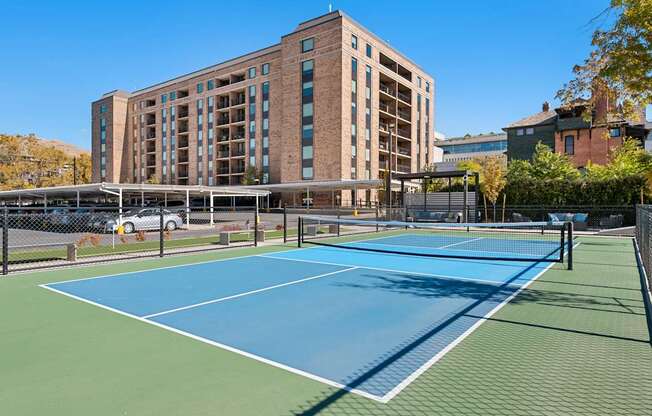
[[73, 195]]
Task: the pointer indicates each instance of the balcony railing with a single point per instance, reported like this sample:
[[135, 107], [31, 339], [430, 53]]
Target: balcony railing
[[222, 121], [238, 100], [383, 126], [224, 170], [404, 97], [405, 115], [404, 133], [387, 89], [223, 153], [403, 151], [386, 108], [238, 136], [237, 153]]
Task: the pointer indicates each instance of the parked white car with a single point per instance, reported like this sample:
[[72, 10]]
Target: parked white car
[[147, 219]]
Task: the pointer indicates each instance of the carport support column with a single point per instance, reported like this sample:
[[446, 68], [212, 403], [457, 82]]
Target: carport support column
[[45, 200], [120, 203], [77, 199], [466, 196], [187, 208], [211, 205]]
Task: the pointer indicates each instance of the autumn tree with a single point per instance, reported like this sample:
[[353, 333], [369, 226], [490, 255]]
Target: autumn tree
[[493, 180], [620, 62]]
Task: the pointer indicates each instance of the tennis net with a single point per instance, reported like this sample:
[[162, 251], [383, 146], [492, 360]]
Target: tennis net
[[525, 241]]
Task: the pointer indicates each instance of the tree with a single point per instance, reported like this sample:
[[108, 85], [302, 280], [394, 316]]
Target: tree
[[621, 62], [251, 176], [549, 165], [494, 181], [432, 185]]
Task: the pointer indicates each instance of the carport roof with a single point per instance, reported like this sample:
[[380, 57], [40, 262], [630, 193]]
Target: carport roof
[[115, 188]]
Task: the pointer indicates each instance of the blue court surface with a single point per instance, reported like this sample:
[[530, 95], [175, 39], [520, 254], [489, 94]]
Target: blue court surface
[[367, 322]]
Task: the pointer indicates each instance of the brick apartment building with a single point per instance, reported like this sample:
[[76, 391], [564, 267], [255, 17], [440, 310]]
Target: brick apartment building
[[566, 131], [319, 105]]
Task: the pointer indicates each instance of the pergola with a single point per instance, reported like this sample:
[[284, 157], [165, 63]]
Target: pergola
[[319, 186], [426, 176]]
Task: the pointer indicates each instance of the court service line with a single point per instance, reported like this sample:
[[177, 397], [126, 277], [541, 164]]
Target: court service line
[[223, 346], [443, 276], [409, 379], [251, 292]]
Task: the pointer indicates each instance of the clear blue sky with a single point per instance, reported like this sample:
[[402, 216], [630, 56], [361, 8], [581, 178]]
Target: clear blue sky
[[493, 61]]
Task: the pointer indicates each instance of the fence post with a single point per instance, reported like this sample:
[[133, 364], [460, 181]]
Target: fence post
[[5, 241], [338, 221], [377, 214], [161, 236], [570, 245], [299, 231], [285, 224]]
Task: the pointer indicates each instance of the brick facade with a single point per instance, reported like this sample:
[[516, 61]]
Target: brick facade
[[135, 145]]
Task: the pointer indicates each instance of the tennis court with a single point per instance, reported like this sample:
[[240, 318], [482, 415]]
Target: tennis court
[[368, 320]]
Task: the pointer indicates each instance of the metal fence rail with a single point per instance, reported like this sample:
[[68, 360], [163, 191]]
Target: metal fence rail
[[35, 238], [643, 235]]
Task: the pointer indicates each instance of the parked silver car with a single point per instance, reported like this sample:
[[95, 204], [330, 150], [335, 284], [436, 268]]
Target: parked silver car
[[146, 219]]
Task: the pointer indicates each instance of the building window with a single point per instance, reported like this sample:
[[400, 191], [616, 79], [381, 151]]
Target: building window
[[614, 132], [210, 84], [173, 95], [102, 108], [265, 96], [529, 131], [264, 69], [307, 68], [520, 132], [368, 52], [354, 41], [252, 72], [252, 124], [354, 116], [164, 98], [200, 88], [307, 45], [569, 145], [427, 86]]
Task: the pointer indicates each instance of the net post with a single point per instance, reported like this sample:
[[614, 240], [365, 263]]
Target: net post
[[570, 245], [161, 237], [299, 231], [256, 223], [285, 224], [563, 243], [5, 241]]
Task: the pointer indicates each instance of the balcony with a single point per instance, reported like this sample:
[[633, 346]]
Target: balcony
[[182, 127], [237, 78], [182, 111], [223, 170], [182, 93], [238, 116], [238, 152], [183, 141], [150, 102], [150, 147], [405, 96], [383, 126], [223, 180], [222, 119], [151, 160], [151, 133], [387, 89], [238, 168], [403, 151], [406, 133], [238, 134], [223, 102], [387, 62], [223, 153], [404, 114], [239, 99], [150, 119], [384, 106], [223, 135]]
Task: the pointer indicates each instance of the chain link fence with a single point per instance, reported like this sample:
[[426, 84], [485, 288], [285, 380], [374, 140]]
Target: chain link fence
[[46, 237], [643, 236]]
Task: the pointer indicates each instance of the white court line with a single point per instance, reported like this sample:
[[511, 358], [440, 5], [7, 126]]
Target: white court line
[[251, 292], [409, 379], [382, 269], [225, 347], [461, 242]]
